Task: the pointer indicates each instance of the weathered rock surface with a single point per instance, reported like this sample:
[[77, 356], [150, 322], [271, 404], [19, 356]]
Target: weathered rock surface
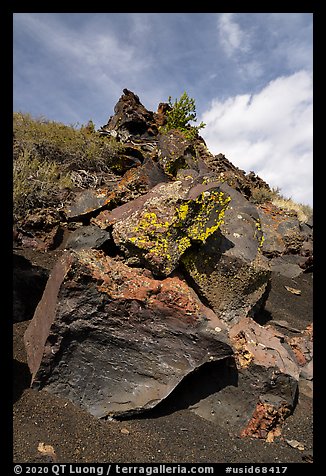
[[131, 119], [229, 271], [87, 202], [262, 351], [287, 242], [253, 397], [155, 229], [113, 339], [117, 330], [87, 237], [40, 230], [176, 152]]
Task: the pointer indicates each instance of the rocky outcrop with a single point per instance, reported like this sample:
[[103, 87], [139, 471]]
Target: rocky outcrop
[[176, 152], [169, 270], [131, 119], [115, 340]]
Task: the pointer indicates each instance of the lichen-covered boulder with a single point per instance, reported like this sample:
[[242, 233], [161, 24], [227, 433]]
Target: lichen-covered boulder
[[155, 229], [228, 270], [113, 339]]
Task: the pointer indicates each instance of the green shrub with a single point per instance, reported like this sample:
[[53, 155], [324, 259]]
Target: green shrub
[[181, 113]]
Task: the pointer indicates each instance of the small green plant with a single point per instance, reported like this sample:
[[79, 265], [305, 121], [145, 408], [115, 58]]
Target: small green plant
[[181, 112]]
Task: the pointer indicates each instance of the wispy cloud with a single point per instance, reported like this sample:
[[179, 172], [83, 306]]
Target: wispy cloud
[[269, 132], [232, 37], [72, 67]]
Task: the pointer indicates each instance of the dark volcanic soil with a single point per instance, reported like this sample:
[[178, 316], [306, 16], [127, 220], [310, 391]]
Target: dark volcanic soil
[[172, 434]]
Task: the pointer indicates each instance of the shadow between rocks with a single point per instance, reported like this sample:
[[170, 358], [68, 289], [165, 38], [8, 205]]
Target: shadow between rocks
[[21, 380], [204, 381]]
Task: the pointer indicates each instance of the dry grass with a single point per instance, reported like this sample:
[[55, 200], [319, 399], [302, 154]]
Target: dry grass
[[263, 195], [48, 156], [303, 211]]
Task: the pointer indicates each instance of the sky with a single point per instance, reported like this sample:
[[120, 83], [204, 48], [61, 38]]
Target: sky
[[251, 75]]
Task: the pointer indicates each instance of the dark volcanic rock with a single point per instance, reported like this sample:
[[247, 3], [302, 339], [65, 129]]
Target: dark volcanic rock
[[176, 152], [267, 365], [131, 119], [87, 202], [114, 340], [281, 232], [87, 237], [229, 271], [155, 229]]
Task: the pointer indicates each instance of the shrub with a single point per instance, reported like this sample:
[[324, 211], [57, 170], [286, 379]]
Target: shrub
[[180, 114], [36, 184], [56, 142]]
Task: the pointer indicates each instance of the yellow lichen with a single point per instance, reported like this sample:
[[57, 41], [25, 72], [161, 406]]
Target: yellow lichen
[[182, 212], [165, 241], [259, 234]]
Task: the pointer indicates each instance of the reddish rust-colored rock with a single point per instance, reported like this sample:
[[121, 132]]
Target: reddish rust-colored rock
[[265, 362], [266, 421], [263, 346], [114, 340]]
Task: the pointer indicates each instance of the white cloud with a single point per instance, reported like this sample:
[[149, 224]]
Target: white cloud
[[269, 132], [232, 37]]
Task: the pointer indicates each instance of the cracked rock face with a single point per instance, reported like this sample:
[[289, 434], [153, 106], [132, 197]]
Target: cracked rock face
[[113, 339]]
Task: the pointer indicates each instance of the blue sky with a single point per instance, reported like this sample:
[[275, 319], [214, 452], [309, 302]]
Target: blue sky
[[249, 73]]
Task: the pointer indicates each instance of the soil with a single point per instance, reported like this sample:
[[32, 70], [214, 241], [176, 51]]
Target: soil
[[173, 433]]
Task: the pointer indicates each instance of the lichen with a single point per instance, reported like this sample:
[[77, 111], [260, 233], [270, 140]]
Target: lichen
[[163, 237], [217, 202], [259, 234]]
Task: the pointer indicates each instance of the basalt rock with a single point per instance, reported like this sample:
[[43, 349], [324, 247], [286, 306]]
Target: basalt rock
[[257, 391], [155, 229], [28, 285], [229, 270], [113, 339], [87, 237], [185, 269], [131, 119], [267, 364], [287, 242], [176, 152], [134, 183]]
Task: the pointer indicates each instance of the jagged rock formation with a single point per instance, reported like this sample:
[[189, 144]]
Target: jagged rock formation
[[166, 272]]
